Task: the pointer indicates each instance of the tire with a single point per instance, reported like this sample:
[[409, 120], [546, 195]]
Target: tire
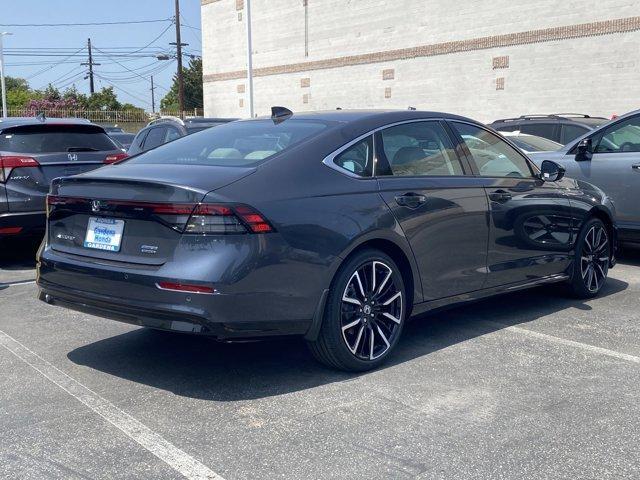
[[354, 318], [591, 261]]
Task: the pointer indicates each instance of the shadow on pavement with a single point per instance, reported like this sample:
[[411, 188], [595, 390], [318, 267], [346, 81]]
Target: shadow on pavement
[[201, 368], [18, 254]]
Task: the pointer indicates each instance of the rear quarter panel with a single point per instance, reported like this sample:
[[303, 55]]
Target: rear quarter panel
[[321, 215]]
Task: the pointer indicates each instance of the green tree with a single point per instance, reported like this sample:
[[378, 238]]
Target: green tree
[[105, 99], [18, 92], [52, 93], [192, 76], [72, 93]]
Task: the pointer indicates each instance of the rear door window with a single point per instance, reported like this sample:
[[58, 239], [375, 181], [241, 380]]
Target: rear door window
[[571, 132], [541, 129], [235, 144], [419, 149], [55, 139], [155, 137]]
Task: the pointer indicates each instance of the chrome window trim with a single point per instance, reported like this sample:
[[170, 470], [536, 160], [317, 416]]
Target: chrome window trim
[[329, 159]]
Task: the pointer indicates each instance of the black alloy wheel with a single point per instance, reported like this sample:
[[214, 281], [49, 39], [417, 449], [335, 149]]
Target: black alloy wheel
[[364, 315], [593, 251]]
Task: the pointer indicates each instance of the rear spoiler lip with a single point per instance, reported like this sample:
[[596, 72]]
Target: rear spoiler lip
[[56, 182]]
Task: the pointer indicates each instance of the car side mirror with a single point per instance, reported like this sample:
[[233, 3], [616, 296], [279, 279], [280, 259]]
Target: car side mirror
[[551, 171], [584, 150]]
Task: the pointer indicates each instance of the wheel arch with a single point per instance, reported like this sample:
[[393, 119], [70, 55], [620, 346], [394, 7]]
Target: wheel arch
[[400, 252], [388, 242]]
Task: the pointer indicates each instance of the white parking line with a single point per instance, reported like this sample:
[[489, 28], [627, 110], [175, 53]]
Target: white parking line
[[569, 343], [180, 461]]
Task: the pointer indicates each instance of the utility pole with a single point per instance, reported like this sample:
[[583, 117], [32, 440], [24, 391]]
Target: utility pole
[[5, 114], [91, 65], [179, 46], [249, 59], [153, 97]]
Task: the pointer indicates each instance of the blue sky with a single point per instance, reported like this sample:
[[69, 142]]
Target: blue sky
[[121, 67]]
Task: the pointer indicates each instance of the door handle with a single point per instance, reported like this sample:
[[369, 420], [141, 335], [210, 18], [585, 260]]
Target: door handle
[[411, 200], [500, 196], [636, 166]]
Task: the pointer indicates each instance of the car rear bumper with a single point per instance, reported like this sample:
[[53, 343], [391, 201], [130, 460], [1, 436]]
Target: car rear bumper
[[132, 296], [22, 223]]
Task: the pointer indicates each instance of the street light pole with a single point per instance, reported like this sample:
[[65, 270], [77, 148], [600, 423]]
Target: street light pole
[[249, 60], [5, 114]]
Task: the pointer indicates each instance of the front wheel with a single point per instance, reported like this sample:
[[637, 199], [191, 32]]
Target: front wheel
[[364, 314], [592, 255]]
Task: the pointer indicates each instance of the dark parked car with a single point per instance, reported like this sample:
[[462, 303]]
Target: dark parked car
[[34, 151], [609, 157], [166, 129], [333, 225], [123, 139], [559, 127]]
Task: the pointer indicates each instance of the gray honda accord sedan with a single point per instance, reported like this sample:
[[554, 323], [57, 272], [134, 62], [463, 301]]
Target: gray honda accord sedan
[[337, 226]]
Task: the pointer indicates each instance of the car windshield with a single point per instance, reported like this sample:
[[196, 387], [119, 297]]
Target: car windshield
[[531, 143], [236, 144]]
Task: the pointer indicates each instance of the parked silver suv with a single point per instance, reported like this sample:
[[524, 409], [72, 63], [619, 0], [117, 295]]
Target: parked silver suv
[[608, 157]]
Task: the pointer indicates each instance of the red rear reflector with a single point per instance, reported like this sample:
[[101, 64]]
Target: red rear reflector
[[115, 158], [10, 230], [185, 287]]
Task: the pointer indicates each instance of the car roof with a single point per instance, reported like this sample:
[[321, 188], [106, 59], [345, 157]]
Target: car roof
[[373, 116], [556, 117], [18, 121]]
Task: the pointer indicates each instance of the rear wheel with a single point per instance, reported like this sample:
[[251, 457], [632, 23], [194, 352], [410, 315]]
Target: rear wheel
[[591, 265], [364, 314]]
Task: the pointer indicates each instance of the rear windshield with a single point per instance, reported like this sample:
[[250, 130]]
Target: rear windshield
[[55, 139], [236, 144]]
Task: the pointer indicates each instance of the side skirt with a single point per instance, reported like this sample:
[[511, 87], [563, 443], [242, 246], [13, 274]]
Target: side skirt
[[488, 292]]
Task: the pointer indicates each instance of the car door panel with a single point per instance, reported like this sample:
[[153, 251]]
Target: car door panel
[[444, 217], [614, 173], [448, 233], [530, 233]]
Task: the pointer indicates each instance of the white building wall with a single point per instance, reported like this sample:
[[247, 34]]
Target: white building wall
[[596, 72]]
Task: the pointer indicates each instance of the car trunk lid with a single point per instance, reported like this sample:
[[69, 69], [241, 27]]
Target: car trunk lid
[[147, 205]]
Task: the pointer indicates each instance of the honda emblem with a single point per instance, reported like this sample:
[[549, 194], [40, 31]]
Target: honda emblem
[[72, 157]]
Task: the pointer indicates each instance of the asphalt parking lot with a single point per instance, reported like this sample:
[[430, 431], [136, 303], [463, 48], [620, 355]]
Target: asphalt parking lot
[[530, 385]]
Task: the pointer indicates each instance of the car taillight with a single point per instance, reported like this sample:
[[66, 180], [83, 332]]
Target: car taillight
[[256, 222], [8, 163], [115, 158], [219, 219]]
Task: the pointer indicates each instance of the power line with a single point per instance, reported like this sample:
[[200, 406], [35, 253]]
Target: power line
[[189, 26], [155, 39], [47, 68], [123, 90], [97, 24], [130, 70]]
